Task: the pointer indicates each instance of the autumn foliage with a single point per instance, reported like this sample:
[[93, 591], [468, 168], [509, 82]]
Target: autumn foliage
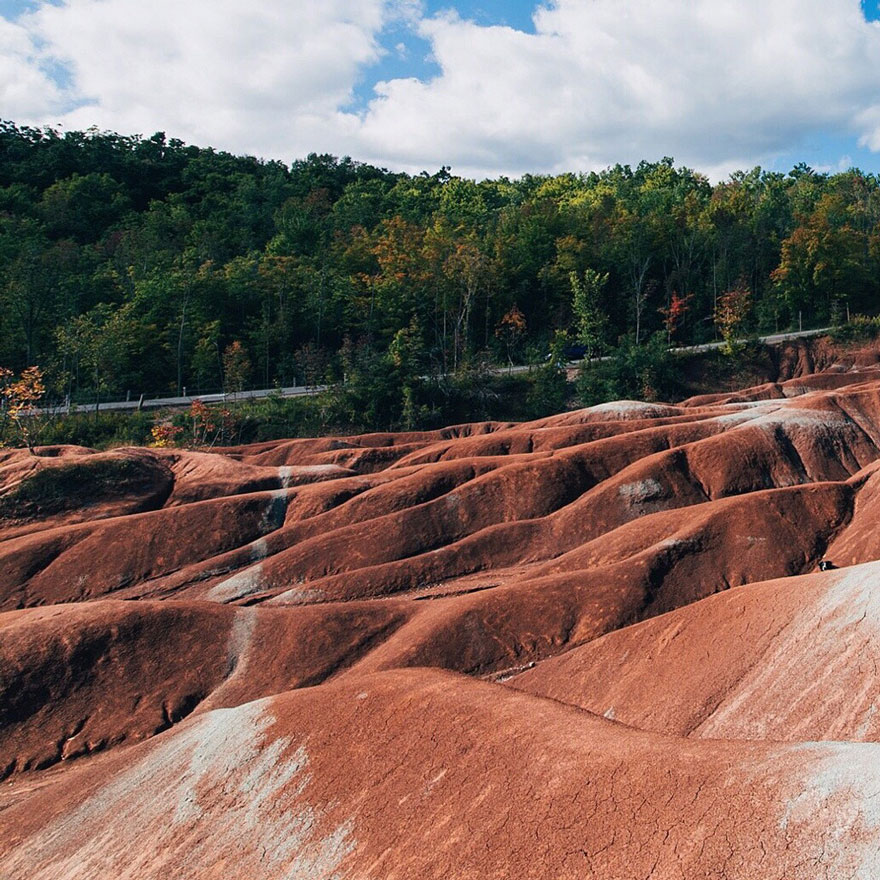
[[19, 398], [164, 434], [208, 425], [510, 330], [675, 313], [731, 313]]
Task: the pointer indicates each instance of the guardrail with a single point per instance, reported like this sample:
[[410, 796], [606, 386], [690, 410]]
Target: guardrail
[[142, 402]]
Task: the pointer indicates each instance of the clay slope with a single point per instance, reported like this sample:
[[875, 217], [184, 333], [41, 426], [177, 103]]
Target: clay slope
[[592, 645], [791, 660], [422, 774]]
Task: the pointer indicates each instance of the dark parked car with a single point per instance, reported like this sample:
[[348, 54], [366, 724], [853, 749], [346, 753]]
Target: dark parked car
[[573, 352]]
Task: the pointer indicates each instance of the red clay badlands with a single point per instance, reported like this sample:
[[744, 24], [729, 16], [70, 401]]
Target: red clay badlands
[[596, 645]]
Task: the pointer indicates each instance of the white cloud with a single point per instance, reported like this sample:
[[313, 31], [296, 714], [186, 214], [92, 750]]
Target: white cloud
[[718, 84], [868, 121], [268, 77], [25, 89], [715, 83]]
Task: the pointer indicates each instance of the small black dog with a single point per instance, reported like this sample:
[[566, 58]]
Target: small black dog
[[826, 565]]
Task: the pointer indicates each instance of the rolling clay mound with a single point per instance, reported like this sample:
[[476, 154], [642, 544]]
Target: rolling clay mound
[[785, 660], [790, 388], [74, 484], [597, 644], [78, 680], [422, 774]]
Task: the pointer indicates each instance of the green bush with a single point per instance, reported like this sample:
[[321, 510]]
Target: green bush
[[549, 391], [859, 328], [640, 372], [85, 429], [279, 418]]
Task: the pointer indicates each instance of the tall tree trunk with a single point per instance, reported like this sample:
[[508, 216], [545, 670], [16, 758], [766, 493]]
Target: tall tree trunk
[[180, 342]]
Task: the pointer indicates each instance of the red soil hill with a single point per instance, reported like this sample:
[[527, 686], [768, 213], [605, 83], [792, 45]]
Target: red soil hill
[[214, 663]]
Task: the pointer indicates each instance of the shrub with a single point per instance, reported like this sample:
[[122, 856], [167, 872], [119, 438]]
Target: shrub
[[549, 392], [860, 328], [19, 398], [88, 429], [641, 372]]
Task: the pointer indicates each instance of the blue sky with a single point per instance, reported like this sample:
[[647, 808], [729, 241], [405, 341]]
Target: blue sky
[[416, 59], [485, 86]]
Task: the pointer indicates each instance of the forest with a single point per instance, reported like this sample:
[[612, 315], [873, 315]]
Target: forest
[[134, 264]]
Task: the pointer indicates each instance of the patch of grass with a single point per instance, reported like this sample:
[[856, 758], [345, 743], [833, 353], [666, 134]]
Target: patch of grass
[[860, 328], [647, 372], [58, 488], [83, 429]]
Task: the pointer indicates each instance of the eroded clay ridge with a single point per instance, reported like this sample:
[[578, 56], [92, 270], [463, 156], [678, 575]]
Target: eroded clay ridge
[[593, 645]]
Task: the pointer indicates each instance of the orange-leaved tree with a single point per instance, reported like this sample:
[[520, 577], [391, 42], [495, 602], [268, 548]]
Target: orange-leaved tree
[[19, 398], [511, 328], [236, 367], [208, 425], [674, 314], [731, 313]]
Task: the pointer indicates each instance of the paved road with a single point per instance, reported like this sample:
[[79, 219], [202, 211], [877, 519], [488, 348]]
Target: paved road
[[160, 402], [769, 340], [304, 390]]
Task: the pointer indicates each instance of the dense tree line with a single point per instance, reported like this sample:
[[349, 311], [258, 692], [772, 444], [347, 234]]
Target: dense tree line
[[131, 263]]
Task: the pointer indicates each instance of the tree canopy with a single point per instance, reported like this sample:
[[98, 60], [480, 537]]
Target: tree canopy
[[138, 264]]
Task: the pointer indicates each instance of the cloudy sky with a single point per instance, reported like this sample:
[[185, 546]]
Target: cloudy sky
[[485, 86]]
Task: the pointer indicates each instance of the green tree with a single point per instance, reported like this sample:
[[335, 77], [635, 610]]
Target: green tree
[[590, 320], [207, 363], [823, 262], [83, 206], [407, 354], [101, 343]]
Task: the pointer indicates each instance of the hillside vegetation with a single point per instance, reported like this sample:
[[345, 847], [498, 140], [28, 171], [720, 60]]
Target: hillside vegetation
[[131, 264]]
